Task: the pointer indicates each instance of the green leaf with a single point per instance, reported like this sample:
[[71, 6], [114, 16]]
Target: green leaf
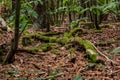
[[78, 78], [35, 15], [116, 51]]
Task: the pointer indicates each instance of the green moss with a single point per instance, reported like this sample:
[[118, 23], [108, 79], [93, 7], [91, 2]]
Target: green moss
[[83, 23], [55, 51], [75, 31], [71, 51], [90, 51], [34, 49], [46, 47], [68, 37], [52, 33], [52, 40], [63, 40], [92, 57], [98, 31], [47, 39], [26, 41]]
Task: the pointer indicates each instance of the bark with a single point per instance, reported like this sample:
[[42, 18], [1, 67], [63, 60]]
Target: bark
[[44, 17], [14, 43]]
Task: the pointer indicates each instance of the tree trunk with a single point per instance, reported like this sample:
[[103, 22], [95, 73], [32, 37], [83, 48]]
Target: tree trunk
[[14, 43], [13, 5], [44, 17]]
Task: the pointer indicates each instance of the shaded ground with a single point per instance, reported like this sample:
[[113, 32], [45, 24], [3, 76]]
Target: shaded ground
[[60, 67]]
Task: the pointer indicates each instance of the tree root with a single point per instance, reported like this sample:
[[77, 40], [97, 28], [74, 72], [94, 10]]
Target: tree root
[[108, 59], [27, 51], [107, 43]]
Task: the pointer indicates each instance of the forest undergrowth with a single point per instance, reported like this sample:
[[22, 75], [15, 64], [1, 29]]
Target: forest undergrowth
[[37, 59]]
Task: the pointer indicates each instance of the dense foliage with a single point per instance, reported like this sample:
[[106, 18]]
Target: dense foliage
[[95, 11]]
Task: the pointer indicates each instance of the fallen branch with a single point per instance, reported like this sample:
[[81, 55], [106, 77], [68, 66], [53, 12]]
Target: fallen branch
[[108, 59], [29, 51]]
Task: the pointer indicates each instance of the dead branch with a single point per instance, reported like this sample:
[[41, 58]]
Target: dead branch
[[108, 59]]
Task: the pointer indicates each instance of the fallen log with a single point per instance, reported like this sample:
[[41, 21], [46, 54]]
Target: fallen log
[[89, 48]]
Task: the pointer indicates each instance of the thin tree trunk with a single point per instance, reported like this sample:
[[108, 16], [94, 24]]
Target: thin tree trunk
[[14, 43]]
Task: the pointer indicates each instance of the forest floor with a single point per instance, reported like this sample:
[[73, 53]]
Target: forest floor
[[47, 65]]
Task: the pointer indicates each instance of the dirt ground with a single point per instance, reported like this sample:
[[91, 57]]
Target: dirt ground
[[49, 66]]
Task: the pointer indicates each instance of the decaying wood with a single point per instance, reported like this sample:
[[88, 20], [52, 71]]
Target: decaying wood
[[108, 59]]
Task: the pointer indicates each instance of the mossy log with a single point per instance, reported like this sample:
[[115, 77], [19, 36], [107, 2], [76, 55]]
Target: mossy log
[[74, 32], [68, 37], [46, 38], [52, 33], [91, 52]]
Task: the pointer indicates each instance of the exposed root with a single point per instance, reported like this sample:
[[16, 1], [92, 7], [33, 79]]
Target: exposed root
[[108, 59], [27, 51]]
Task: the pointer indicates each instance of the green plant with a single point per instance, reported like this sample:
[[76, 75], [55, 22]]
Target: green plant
[[115, 51], [28, 14]]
